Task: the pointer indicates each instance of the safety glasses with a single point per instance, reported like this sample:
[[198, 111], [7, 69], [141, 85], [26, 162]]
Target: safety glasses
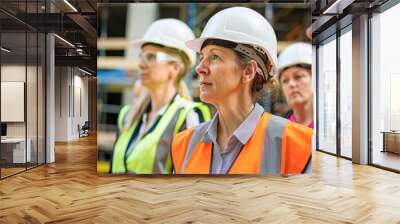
[[157, 57]]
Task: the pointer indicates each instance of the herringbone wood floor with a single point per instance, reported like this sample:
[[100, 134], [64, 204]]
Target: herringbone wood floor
[[70, 191]]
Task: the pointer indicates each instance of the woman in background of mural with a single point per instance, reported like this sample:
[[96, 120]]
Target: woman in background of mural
[[296, 82], [146, 128]]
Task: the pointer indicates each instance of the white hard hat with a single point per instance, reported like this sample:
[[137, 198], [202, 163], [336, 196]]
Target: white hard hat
[[294, 54], [242, 26], [170, 33]]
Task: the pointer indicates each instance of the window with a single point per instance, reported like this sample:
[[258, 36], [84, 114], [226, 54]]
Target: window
[[385, 88], [327, 96], [346, 93], [22, 77]]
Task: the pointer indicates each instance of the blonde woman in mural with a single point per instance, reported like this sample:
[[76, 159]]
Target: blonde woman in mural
[[146, 129]]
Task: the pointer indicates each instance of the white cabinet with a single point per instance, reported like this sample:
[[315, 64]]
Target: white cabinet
[[18, 149]]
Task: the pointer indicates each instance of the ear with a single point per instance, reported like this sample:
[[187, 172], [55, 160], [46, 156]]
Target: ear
[[249, 72]]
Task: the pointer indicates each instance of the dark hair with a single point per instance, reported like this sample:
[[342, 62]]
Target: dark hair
[[219, 42], [260, 86], [305, 66]]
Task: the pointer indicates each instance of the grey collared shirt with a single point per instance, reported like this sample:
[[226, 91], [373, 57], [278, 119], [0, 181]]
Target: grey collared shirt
[[222, 161]]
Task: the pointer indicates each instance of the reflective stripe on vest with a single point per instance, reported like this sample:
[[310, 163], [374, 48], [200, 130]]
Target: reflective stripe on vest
[[277, 146], [151, 154], [121, 116], [205, 111]]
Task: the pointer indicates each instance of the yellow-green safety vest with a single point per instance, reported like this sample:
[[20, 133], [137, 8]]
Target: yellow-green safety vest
[[152, 154]]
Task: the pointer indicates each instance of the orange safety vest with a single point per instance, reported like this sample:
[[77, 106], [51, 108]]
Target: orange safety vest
[[277, 146]]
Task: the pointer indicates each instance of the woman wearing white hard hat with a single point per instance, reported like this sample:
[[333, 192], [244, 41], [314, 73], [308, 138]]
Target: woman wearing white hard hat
[[146, 129], [296, 82], [238, 58]]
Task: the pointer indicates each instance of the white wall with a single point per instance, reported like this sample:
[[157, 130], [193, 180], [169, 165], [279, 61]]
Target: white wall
[[80, 100], [71, 93], [13, 73], [61, 103]]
